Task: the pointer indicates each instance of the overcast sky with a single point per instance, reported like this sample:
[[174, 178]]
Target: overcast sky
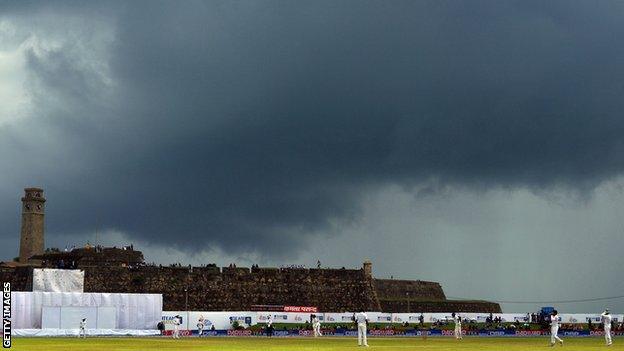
[[479, 144]]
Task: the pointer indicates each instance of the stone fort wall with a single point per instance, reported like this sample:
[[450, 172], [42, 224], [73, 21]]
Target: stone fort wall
[[412, 289], [239, 288], [223, 289]]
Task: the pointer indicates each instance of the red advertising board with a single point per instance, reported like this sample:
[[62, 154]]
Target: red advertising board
[[300, 309]]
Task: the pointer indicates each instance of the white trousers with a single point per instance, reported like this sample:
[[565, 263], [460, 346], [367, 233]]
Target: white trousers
[[553, 335], [607, 332], [200, 331], [176, 332], [458, 331], [362, 334], [82, 333], [317, 329]]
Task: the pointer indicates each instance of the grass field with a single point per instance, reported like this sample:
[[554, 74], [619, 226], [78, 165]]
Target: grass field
[[310, 344]]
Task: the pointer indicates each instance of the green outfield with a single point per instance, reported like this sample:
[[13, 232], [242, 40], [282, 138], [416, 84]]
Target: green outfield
[[311, 344]]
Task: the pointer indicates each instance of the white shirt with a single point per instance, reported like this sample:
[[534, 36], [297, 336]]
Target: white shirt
[[83, 324], [269, 321], [554, 321], [606, 320], [176, 321], [361, 317], [315, 320], [457, 320]]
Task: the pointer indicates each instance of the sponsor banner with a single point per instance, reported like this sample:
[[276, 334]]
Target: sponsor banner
[[406, 317], [415, 332], [306, 332], [601, 333], [223, 320], [511, 317], [394, 333], [287, 317], [584, 318], [168, 316], [299, 318], [383, 332], [528, 333], [220, 320], [278, 317], [378, 317], [339, 317], [301, 309], [438, 317], [183, 332], [209, 321]]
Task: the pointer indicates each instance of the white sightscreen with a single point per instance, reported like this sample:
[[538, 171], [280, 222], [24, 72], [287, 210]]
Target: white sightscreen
[[51, 317], [71, 317], [132, 311], [58, 280], [107, 318]]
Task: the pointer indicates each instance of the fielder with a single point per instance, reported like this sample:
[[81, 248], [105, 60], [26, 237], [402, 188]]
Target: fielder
[[361, 319], [200, 326], [177, 320], [83, 329], [316, 326], [554, 328], [269, 326], [606, 324], [458, 329]]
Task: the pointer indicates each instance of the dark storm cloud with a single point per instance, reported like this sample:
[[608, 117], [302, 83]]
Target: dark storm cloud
[[254, 125]]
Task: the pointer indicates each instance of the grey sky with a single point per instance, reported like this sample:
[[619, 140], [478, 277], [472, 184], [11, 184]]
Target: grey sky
[[478, 143]]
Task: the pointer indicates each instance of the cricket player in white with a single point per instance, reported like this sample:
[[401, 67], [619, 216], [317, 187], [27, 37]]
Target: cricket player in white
[[316, 326], [176, 327], [361, 319], [200, 326], [83, 329], [554, 328], [269, 327], [606, 323], [458, 328]]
